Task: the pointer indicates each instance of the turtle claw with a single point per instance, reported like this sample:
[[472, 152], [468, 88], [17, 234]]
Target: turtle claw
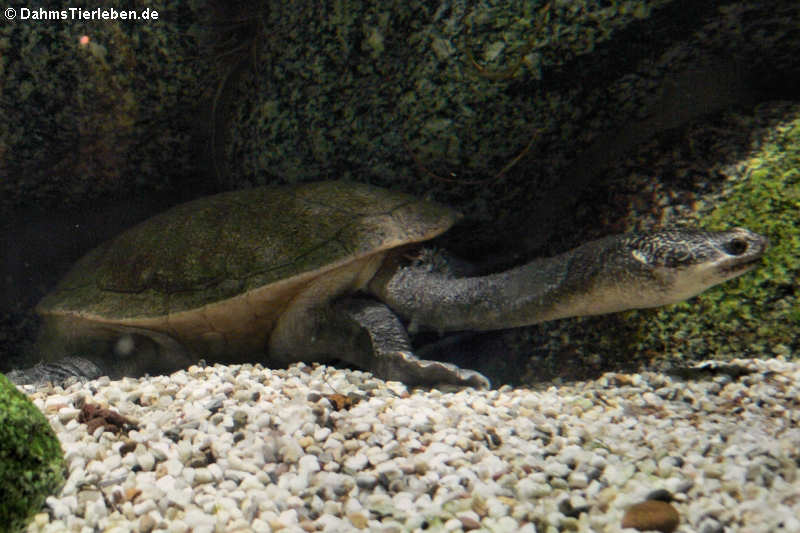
[[406, 367], [58, 372]]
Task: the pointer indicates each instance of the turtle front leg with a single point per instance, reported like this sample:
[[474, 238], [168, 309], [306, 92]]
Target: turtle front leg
[[391, 356], [367, 334]]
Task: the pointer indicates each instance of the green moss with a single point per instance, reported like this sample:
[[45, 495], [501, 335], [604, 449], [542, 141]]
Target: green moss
[[755, 315], [31, 461], [760, 311]]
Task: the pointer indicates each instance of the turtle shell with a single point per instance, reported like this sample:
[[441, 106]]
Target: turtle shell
[[225, 266]]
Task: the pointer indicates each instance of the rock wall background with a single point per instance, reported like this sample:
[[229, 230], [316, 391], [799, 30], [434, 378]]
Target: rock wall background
[[546, 123]]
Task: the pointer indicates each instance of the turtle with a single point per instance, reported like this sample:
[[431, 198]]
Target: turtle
[[320, 271]]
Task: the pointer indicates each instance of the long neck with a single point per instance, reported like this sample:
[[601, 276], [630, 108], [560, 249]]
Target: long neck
[[570, 284]]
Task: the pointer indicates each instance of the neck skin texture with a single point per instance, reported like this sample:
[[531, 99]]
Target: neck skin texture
[[603, 276], [542, 290]]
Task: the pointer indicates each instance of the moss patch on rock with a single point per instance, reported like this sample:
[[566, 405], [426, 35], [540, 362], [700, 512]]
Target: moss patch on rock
[[758, 313], [31, 460], [738, 169]]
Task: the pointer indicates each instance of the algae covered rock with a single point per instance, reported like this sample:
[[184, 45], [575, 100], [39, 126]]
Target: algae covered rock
[[31, 459], [753, 157]]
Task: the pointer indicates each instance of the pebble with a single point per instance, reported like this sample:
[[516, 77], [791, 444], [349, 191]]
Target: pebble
[[244, 448], [651, 515]]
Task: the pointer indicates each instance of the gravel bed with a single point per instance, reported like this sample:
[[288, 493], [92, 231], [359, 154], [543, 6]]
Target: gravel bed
[[313, 448]]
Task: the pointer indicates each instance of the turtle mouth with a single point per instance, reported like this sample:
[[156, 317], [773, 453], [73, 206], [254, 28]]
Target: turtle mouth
[[739, 267]]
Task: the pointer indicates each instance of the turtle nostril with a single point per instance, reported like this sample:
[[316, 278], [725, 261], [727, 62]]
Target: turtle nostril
[[736, 246]]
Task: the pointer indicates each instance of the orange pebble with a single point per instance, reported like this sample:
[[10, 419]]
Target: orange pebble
[[651, 515]]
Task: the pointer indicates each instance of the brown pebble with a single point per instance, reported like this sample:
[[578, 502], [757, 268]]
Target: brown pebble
[[147, 523], [468, 524], [127, 447], [651, 515], [358, 520], [132, 493]]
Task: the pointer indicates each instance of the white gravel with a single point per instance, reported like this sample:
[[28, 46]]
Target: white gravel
[[244, 448]]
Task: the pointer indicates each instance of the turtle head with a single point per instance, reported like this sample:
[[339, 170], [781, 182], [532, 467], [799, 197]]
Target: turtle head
[[671, 265]]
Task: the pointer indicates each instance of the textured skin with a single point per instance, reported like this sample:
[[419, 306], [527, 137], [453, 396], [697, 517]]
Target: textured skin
[[603, 276]]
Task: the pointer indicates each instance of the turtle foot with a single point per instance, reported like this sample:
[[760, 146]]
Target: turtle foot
[[406, 367]]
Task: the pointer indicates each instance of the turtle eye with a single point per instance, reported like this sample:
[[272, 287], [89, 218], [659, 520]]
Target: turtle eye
[[736, 246]]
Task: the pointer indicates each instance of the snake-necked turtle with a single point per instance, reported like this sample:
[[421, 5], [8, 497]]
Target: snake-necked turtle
[[316, 272]]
